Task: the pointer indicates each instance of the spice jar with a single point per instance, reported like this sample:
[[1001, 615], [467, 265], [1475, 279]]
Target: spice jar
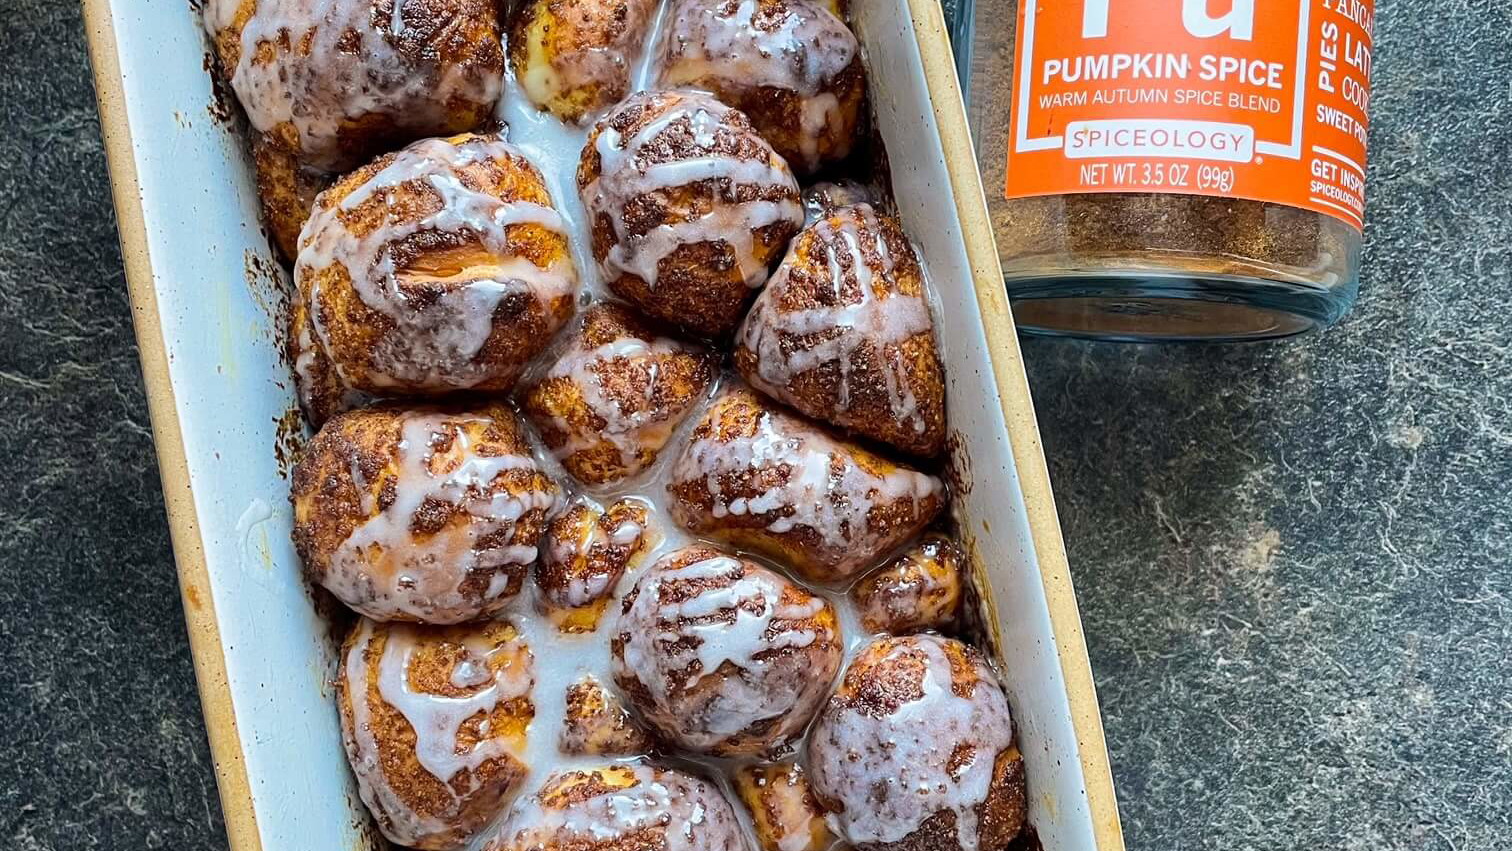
[[1174, 169]]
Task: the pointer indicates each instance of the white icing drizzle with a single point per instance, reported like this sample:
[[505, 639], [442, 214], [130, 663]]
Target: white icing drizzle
[[685, 812], [632, 168], [352, 68], [894, 773], [384, 569], [736, 616], [731, 46], [868, 312], [435, 345], [437, 720], [824, 491]]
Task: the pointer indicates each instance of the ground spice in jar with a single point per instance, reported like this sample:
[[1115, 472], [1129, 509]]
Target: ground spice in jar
[[1174, 169]]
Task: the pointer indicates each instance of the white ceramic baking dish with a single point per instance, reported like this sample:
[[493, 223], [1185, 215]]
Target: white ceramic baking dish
[[207, 296]]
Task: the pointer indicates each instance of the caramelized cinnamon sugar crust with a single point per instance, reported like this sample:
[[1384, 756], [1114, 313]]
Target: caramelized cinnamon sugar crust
[[437, 268], [287, 190], [587, 550], [597, 724], [434, 722], [429, 514], [688, 207], [612, 400], [327, 84], [791, 65], [920, 589], [843, 333], [322, 394], [622, 807], [721, 655], [758, 477], [915, 751], [573, 57], [783, 809]]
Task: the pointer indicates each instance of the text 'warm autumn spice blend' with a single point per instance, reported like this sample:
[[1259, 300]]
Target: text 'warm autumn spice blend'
[[1176, 169]]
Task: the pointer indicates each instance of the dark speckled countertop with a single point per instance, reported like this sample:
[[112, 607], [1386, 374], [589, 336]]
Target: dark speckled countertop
[[1294, 560]]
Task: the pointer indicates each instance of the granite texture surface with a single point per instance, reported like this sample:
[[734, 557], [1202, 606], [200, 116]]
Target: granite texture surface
[[1294, 560]]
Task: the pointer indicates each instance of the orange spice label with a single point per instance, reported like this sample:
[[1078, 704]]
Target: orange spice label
[[1266, 100]]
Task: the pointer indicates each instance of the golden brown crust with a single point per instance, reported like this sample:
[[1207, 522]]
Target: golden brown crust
[[792, 66], [377, 685], [286, 189], [783, 809], [587, 550], [573, 57], [610, 403], [872, 366], [757, 477], [920, 589], [722, 656], [438, 268], [322, 394], [685, 251], [393, 511], [598, 724]]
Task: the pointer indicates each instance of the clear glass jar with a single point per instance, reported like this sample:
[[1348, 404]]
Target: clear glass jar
[[1144, 265]]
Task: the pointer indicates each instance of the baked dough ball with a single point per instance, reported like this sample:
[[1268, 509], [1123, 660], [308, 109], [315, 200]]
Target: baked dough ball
[[622, 807], [791, 65], [915, 752], [434, 720], [328, 85], [287, 189], [821, 200], [921, 589], [437, 268], [783, 809], [722, 656], [588, 549], [597, 724], [757, 477], [321, 393], [430, 515], [611, 401], [689, 206], [843, 333], [573, 57]]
